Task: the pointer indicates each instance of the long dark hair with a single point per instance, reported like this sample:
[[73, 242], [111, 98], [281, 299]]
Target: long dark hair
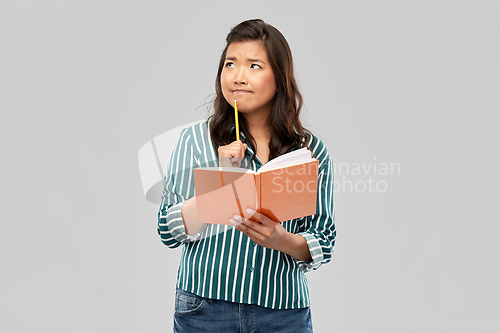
[[287, 132]]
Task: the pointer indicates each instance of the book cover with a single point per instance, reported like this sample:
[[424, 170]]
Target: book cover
[[283, 189]]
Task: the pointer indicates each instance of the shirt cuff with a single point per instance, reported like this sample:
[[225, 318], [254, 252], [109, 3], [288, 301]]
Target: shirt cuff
[[175, 225], [315, 251]]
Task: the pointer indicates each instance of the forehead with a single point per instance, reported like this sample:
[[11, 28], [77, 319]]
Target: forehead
[[248, 49]]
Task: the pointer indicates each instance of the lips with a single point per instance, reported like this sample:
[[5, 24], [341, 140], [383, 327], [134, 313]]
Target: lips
[[241, 91]]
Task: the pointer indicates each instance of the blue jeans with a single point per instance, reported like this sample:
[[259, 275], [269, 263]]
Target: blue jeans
[[198, 314]]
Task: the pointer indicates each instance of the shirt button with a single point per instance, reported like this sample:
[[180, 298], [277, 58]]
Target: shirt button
[[253, 243], [251, 269]]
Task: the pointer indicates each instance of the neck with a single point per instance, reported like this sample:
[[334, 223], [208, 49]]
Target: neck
[[258, 126]]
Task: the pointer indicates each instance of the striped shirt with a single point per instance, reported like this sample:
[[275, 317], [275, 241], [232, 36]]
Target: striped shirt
[[221, 262]]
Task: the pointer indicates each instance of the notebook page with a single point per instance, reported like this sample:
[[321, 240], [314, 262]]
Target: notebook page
[[300, 155]]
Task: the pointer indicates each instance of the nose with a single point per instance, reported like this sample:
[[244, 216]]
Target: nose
[[240, 76]]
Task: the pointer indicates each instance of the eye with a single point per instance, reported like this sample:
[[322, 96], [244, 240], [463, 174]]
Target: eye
[[255, 66], [229, 64]]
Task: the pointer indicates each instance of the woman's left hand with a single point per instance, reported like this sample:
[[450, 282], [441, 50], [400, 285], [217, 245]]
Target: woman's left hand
[[264, 231]]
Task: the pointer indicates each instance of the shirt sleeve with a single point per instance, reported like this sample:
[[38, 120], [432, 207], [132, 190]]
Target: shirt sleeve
[[178, 186], [319, 230]]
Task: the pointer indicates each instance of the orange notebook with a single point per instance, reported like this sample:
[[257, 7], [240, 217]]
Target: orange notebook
[[283, 189]]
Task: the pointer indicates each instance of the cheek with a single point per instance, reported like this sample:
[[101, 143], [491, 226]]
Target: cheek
[[223, 81], [225, 85], [269, 85], [226, 79]]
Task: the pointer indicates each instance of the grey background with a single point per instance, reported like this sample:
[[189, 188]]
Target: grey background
[[84, 84]]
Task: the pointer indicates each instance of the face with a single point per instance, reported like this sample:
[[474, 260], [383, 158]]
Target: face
[[247, 76]]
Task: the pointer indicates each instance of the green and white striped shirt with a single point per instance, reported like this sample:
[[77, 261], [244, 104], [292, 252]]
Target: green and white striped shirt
[[221, 262]]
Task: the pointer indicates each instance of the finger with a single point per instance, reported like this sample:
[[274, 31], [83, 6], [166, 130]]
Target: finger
[[258, 216], [241, 150], [236, 161], [239, 223], [246, 224], [239, 144], [224, 162], [233, 152], [252, 234], [255, 235], [228, 158], [227, 155], [235, 146]]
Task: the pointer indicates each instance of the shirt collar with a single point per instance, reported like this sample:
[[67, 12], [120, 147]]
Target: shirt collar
[[233, 129]]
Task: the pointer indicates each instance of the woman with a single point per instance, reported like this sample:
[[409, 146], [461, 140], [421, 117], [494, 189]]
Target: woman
[[249, 277]]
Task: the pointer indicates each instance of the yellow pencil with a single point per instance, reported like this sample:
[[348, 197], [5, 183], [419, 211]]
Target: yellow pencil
[[236, 120]]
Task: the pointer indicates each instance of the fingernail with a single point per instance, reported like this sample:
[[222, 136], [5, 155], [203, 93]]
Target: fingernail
[[250, 211], [235, 223], [237, 218]]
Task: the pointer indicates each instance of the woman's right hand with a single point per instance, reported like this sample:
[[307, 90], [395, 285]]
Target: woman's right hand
[[232, 154]]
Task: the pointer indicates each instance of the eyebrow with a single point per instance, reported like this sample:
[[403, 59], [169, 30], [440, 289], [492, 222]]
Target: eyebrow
[[249, 59]]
